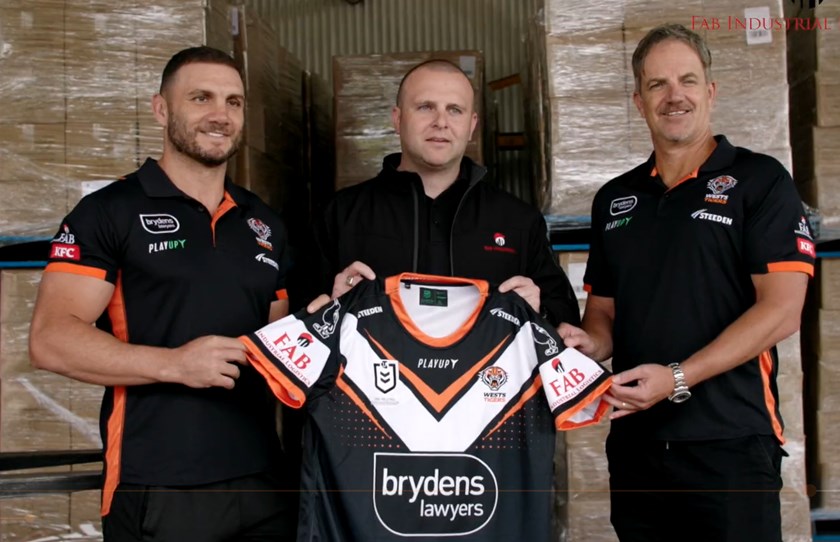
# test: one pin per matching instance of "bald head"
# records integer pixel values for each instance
(438, 65)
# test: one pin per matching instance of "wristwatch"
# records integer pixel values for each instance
(680, 393)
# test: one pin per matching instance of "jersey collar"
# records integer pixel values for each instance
(156, 184)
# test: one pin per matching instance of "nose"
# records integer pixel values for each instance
(675, 92)
(440, 120)
(219, 112)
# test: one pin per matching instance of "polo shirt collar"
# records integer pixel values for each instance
(156, 184)
(722, 157)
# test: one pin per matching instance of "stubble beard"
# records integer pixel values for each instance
(185, 142)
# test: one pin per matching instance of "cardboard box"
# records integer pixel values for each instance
(582, 63)
(101, 150)
(379, 76)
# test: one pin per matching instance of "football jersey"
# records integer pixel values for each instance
(433, 406)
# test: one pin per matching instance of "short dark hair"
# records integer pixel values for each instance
(671, 32)
(192, 55)
(437, 64)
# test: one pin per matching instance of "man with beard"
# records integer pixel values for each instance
(170, 263)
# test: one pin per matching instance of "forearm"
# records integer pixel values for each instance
(756, 331)
(599, 328)
(78, 350)
(596, 340)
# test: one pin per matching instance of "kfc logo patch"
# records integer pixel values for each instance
(806, 247)
(499, 239)
(65, 252)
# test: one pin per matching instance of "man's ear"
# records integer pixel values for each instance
(713, 92)
(160, 109)
(637, 99)
(395, 118)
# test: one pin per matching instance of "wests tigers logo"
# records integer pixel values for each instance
(494, 377)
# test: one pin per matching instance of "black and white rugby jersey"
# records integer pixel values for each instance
(433, 406)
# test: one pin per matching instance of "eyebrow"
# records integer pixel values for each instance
(682, 77)
(197, 91)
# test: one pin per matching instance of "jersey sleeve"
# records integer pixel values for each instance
(299, 352)
(87, 243)
(777, 236)
(573, 384)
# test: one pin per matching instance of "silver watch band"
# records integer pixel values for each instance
(681, 392)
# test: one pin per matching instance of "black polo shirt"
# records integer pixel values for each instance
(179, 273)
(678, 263)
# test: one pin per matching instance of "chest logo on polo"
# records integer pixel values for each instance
(265, 259)
(499, 242)
(263, 232)
(623, 205)
(702, 214)
(620, 223)
(171, 244)
(159, 223)
(717, 187)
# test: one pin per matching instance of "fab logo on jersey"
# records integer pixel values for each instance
(428, 494)
(298, 350)
(566, 376)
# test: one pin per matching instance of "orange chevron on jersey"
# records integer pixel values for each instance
(449, 407)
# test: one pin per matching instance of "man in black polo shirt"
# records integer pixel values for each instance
(698, 266)
(430, 211)
(171, 262)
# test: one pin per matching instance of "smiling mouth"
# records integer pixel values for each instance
(677, 113)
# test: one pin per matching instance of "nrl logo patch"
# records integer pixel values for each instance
(386, 373)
